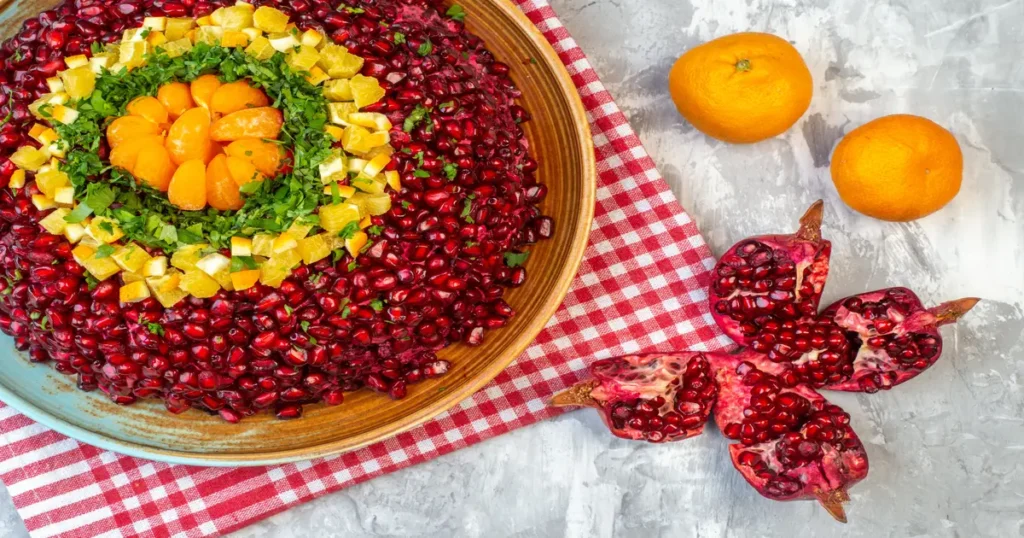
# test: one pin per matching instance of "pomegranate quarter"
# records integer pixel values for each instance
(790, 443)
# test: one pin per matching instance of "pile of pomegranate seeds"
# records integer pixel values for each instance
(435, 276)
(790, 442)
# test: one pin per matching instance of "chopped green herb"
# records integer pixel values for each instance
(349, 230)
(450, 171)
(375, 230)
(155, 328)
(399, 38)
(44, 323)
(447, 104)
(243, 263)
(515, 259)
(346, 312)
(425, 48)
(377, 305)
(456, 13)
(91, 282)
(420, 173)
(288, 309)
(304, 324)
(467, 210)
(34, 315)
(406, 204)
(355, 10)
(416, 116)
(104, 251)
(315, 278)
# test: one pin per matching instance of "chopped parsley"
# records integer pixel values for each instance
(375, 230)
(515, 259)
(421, 173)
(155, 328)
(467, 211)
(243, 263)
(426, 48)
(349, 230)
(346, 312)
(450, 171)
(399, 38)
(104, 251)
(456, 13)
(377, 305)
(304, 324)
(355, 10)
(415, 117)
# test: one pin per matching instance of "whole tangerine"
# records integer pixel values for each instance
(742, 88)
(898, 168)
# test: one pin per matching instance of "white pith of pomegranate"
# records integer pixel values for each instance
(899, 338)
(656, 397)
(771, 279)
(793, 444)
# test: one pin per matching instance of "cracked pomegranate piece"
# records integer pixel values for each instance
(655, 397)
(771, 279)
(793, 443)
(899, 338)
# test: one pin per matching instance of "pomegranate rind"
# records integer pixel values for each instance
(654, 397)
(909, 328)
(842, 463)
(795, 268)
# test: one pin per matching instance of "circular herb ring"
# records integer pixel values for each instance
(144, 213)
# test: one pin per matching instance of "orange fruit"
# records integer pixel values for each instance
(742, 88)
(263, 122)
(203, 89)
(898, 168)
(221, 190)
(265, 156)
(187, 189)
(189, 136)
(149, 108)
(126, 155)
(237, 96)
(176, 98)
(128, 127)
(154, 166)
(243, 171)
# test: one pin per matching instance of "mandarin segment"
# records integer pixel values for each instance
(203, 89)
(129, 127)
(237, 96)
(154, 166)
(187, 189)
(189, 136)
(126, 155)
(176, 98)
(265, 156)
(243, 171)
(221, 190)
(263, 122)
(150, 108)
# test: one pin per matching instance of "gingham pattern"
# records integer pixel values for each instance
(641, 287)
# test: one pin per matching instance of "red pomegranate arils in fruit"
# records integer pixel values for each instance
(656, 397)
(793, 444)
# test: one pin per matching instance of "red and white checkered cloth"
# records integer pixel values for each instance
(641, 287)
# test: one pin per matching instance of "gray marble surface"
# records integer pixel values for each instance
(946, 450)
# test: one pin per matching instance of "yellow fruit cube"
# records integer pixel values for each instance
(156, 266)
(299, 231)
(241, 246)
(277, 268)
(340, 111)
(335, 132)
(303, 59)
(333, 169)
(100, 268)
(311, 38)
(43, 203)
(284, 243)
(185, 258)
(165, 289)
(79, 82)
(178, 28)
(213, 263)
(263, 245)
(376, 165)
(199, 284)
(104, 230)
(178, 47)
(338, 62)
(253, 33)
(211, 35)
(64, 114)
(128, 278)
(156, 39)
(74, 232)
(36, 130)
(370, 120)
(100, 62)
(134, 292)
(269, 19)
(335, 217)
(49, 181)
(53, 99)
(204, 21)
(234, 39)
(344, 191)
(132, 53)
(338, 90)
(285, 42)
(372, 204)
(79, 60)
(155, 24)
(233, 17)
(131, 257)
(65, 196)
(260, 48)
(46, 137)
(366, 90)
(371, 185)
(55, 84)
(317, 76)
(17, 179)
(394, 179)
(315, 248)
(365, 223)
(243, 280)
(29, 158)
(358, 139)
(356, 242)
(54, 223)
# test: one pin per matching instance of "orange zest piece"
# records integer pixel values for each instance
(203, 89)
(243, 171)
(154, 166)
(189, 137)
(176, 98)
(149, 108)
(128, 127)
(237, 96)
(188, 186)
(263, 122)
(126, 155)
(265, 156)
(221, 190)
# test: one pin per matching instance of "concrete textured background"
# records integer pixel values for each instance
(945, 450)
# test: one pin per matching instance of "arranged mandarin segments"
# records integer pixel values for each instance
(235, 96)
(176, 98)
(222, 191)
(263, 122)
(189, 137)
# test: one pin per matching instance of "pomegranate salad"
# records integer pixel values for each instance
(247, 207)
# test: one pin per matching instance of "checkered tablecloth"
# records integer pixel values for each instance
(641, 287)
